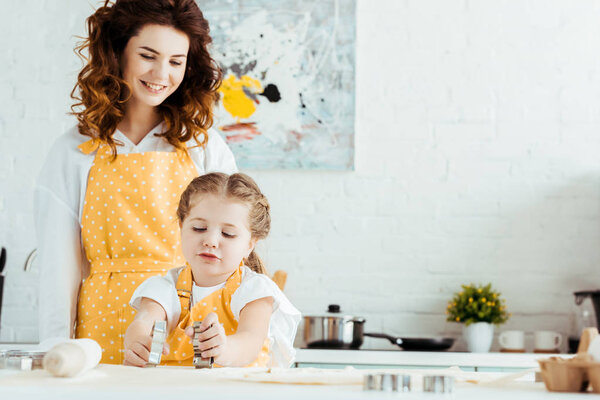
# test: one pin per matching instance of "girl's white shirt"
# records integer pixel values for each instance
(282, 326)
(58, 203)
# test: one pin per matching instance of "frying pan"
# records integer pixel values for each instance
(416, 344)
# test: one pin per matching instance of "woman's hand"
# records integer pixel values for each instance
(212, 338)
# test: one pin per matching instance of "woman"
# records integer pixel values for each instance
(107, 195)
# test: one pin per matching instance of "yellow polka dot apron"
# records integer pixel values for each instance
(219, 302)
(129, 232)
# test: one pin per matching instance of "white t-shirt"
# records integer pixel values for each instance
(58, 203)
(282, 326)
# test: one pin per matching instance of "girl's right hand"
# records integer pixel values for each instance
(137, 343)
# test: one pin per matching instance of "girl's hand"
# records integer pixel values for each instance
(138, 338)
(138, 342)
(212, 338)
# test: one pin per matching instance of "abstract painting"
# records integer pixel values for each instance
(287, 97)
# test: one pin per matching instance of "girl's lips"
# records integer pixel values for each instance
(209, 256)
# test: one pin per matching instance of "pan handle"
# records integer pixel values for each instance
(392, 339)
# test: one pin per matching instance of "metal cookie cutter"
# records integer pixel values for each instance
(387, 382)
(438, 383)
(23, 360)
(159, 334)
(199, 362)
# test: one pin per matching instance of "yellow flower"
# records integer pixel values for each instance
(470, 299)
(479, 290)
(489, 303)
(483, 300)
(457, 319)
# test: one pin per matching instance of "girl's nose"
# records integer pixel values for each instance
(210, 241)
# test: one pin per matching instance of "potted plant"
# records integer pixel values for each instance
(479, 308)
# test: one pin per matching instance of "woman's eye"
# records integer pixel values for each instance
(177, 63)
(147, 57)
(228, 235)
(198, 229)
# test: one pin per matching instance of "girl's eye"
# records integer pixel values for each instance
(198, 229)
(147, 57)
(177, 63)
(228, 235)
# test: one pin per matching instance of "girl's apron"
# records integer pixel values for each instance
(130, 232)
(219, 302)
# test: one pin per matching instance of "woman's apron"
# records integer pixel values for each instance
(130, 232)
(219, 302)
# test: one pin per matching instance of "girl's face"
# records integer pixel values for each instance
(215, 237)
(153, 63)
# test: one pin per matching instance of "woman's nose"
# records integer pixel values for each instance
(161, 71)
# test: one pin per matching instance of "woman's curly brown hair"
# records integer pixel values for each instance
(101, 93)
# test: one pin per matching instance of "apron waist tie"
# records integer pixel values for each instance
(131, 265)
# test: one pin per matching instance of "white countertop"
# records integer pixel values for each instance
(118, 382)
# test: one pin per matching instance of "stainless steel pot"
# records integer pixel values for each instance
(333, 330)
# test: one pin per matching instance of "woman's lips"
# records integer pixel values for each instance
(153, 88)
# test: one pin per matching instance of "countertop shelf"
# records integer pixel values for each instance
(419, 359)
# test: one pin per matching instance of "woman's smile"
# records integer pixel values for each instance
(153, 87)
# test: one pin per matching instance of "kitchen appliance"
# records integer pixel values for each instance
(585, 315)
(334, 330)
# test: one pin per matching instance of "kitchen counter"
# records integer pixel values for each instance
(119, 382)
(498, 362)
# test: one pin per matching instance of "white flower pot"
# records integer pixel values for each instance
(479, 337)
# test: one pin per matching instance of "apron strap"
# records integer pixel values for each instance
(184, 288)
(90, 146)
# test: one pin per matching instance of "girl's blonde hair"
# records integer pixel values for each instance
(238, 187)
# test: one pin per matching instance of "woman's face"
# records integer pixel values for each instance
(153, 63)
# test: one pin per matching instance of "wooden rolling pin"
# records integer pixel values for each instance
(73, 357)
(279, 277)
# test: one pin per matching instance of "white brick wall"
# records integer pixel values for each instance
(477, 159)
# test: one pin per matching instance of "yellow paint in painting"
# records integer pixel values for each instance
(235, 101)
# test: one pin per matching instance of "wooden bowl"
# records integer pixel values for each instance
(563, 375)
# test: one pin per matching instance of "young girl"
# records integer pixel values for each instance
(246, 319)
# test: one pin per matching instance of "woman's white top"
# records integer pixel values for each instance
(282, 326)
(58, 203)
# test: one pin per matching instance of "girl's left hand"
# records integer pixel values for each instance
(212, 337)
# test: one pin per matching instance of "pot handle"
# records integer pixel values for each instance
(358, 320)
(393, 339)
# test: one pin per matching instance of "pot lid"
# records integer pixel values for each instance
(334, 310)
